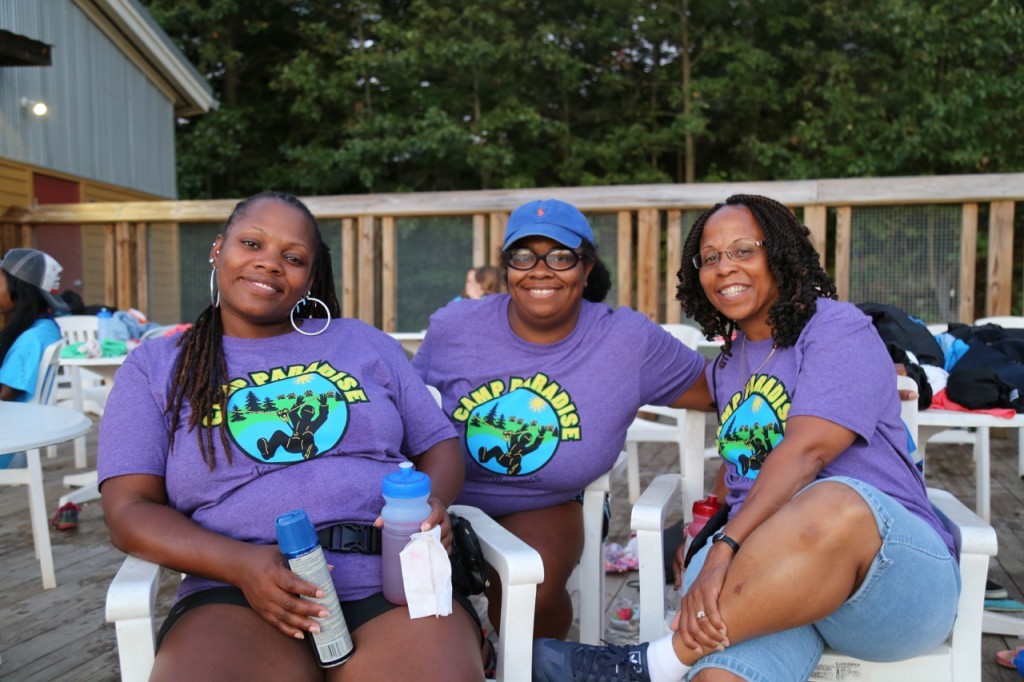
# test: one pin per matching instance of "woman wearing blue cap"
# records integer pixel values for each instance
(542, 384)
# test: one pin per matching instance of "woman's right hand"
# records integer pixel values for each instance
(275, 592)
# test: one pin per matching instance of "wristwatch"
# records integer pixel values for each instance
(722, 537)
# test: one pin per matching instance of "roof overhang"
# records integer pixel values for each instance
(131, 28)
(19, 50)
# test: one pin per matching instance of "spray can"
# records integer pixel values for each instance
(298, 542)
(703, 510)
(406, 508)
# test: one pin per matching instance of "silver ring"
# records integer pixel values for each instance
(701, 614)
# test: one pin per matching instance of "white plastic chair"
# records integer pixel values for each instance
(685, 428)
(957, 659)
(131, 602)
(31, 474)
(77, 329)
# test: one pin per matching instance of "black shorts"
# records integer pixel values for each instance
(356, 612)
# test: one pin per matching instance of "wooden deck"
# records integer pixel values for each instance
(61, 634)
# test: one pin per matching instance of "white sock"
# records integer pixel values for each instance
(662, 662)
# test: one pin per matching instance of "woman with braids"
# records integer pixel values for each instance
(189, 481)
(830, 537)
(542, 384)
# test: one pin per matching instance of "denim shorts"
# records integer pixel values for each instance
(906, 605)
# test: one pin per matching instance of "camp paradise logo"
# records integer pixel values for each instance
(753, 423)
(513, 428)
(289, 414)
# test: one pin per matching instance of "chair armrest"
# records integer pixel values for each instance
(648, 520)
(520, 569)
(971, 533)
(131, 603)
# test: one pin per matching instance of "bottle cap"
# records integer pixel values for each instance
(706, 507)
(104, 313)
(295, 532)
(406, 482)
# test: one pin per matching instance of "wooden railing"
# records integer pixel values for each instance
(650, 231)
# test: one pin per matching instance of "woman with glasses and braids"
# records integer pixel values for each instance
(829, 535)
(270, 403)
(542, 383)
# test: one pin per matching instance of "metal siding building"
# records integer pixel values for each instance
(114, 84)
(110, 118)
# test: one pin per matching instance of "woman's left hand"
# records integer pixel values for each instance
(708, 631)
(439, 516)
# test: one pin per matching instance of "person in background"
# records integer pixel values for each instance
(190, 482)
(830, 537)
(28, 280)
(482, 281)
(542, 384)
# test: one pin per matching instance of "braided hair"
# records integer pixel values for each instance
(792, 260)
(201, 373)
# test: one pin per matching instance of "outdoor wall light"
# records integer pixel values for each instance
(33, 106)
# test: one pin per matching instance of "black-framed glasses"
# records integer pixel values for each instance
(741, 250)
(556, 259)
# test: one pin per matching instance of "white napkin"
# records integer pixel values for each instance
(427, 575)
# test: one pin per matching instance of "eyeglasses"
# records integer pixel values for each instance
(741, 249)
(556, 259)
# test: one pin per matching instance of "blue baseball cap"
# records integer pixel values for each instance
(549, 218)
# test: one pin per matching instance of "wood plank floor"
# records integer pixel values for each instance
(61, 634)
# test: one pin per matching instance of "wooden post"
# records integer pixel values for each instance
(497, 236)
(367, 272)
(109, 263)
(968, 260)
(388, 274)
(348, 267)
(123, 257)
(844, 227)
(625, 258)
(479, 239)
(1000, 258)
(648, 262)
(673, 258)
(142, 268)
(816, 218)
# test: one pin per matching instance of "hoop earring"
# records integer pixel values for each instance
(214, 292)
(302, 302)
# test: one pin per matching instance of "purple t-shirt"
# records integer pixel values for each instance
(838, 370)
(314, 422)
(539, 422)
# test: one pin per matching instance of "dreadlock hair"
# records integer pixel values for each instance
(792, 261)
(599, 282)
(201, 372)
(29, 306)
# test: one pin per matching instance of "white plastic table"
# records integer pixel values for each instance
(86, 481)
(106, 368)
(931, 422)
(29, 427)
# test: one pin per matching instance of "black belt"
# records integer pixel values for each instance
(350, 537)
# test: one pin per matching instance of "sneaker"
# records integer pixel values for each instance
(994, 590)
(66, 517)
(556, 661)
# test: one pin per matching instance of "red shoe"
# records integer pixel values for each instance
(1005, 658)
(66, 517)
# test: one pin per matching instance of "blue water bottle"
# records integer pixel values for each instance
(301, 549)
(104, 318)
(405, 494)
